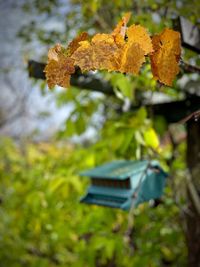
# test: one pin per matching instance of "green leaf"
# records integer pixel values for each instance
(122, 82)
(141, 114)
(70, 127)
(128, 136)
(151, 138)
(80, 125)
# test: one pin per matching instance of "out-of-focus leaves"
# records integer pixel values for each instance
(123, 83)
(42, 222)
(151, 138)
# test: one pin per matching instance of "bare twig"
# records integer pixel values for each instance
(18, 106)
(195, 115)
(189, 68)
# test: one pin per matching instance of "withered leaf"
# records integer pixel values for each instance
(138, 44)
(59, 67)
(138, 34)
(74, 44)
(132, 59)
(123, 50)
(101, 53)
(122, 24)
(166, 55)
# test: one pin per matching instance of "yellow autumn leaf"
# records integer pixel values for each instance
(60, 65)
(75, 43)
(101, 53)
(132, 58)
(123, 50)
(166, 55)
(138, 34)
(121, 26)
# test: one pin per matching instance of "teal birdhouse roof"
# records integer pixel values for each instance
(120, 169)
(123, 183)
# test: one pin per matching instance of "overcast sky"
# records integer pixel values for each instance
(15, 83)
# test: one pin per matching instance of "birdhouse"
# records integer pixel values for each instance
(121, 184)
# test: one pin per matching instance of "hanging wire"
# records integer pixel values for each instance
(130, 223)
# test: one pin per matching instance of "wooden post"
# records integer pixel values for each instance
(193, 214)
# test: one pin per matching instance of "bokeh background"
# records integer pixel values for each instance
(48, 137)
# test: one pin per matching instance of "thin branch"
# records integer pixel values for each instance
(11, 118)
(17, 108)
(193, 193)
(189, 68)
(195, 116)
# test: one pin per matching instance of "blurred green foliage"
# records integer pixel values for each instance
(43, 224)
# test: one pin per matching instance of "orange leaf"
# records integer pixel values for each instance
(121, 26)
(74, 44)
(166, 55)
(114, 52)
(59, 67)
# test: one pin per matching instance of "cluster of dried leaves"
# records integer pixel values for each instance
(124, 50)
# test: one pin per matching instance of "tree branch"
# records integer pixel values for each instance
(189, 68)
(89, 81)
(179, 109)
(83, 81)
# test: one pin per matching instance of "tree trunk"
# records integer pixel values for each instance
(193, 214)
